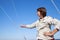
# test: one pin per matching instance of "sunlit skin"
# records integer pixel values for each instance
(45, 33)
(39, 14)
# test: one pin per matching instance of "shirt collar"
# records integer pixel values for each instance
(43, 18)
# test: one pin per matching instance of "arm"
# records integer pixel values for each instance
(56, 23)
(51, 33)
(33, 25)
(54, 31)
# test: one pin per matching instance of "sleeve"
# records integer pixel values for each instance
(54, 22)
(33, 25)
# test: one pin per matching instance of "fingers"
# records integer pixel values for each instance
(47, 33)
(23, 26)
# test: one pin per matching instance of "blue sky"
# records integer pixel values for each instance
(13, 13)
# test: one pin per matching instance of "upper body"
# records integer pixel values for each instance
(43, 25)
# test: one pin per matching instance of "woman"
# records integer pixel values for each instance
(43, 25)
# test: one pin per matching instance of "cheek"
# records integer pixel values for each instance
(38, 14)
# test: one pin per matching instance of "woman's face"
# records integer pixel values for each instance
(39, 14)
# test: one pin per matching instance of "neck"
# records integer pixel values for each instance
(41, 17)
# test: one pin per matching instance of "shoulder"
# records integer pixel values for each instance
(36, 21)
(48, 17)
(52, 19)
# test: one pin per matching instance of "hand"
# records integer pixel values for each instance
(23, 26)
(51, 33)
(48, 34)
